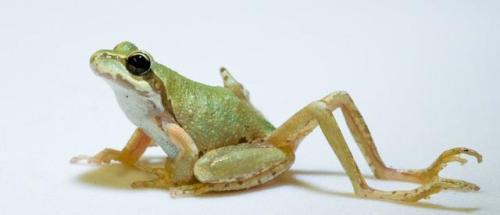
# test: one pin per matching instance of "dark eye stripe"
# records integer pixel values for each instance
(138, 64)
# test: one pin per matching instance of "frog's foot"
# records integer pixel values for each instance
(134, 149)
(162, 179)
(190, 190)
(451, 155)
(157, 171)
(159, 182)
(175, 189)
(423, 192)
(103, 157)
(164, 182)
(424, 176)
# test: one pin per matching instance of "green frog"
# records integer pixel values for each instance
(216, 140)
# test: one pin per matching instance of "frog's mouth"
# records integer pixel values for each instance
(110, 66)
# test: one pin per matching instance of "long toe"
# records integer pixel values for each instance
(460, 185)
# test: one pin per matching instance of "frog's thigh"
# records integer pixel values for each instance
(239, 163)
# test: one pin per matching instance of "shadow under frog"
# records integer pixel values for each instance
(118, 176)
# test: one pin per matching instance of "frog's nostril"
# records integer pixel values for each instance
(96, 56)
(94, 59)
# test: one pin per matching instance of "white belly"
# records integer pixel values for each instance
(141, 110)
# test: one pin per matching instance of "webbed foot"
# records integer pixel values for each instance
(162, 179)
(189, 190)
(448, 156)
(155, 183)
(431, 174)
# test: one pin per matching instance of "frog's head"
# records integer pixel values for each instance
(125, 66)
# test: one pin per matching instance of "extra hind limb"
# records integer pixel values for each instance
(233, 85)
(320, 113)
(236, 87)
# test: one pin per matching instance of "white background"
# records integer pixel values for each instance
(424, 74)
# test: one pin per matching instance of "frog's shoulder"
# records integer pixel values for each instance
(180, 86)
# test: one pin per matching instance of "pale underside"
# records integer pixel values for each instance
(139, 109)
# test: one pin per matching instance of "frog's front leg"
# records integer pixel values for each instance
(134, 149)
(179, 169)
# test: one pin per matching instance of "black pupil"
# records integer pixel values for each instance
(138, 64)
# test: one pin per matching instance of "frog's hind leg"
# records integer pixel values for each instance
(320, 113)
(134, 149)
(363, 138)
(237, 167)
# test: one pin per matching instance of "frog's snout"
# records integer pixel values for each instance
(94, 59)
(101, 57)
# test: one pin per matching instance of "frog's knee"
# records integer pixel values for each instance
(237, 163)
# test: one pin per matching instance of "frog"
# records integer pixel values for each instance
(216, 140)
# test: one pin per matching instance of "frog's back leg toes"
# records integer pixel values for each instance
(431, 173)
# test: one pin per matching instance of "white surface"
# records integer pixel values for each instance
(424, 74)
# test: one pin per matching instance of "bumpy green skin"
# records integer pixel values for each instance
(212, 116)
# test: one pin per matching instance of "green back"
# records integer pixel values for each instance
(212, 116)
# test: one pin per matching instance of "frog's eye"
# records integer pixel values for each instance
(138, 64)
